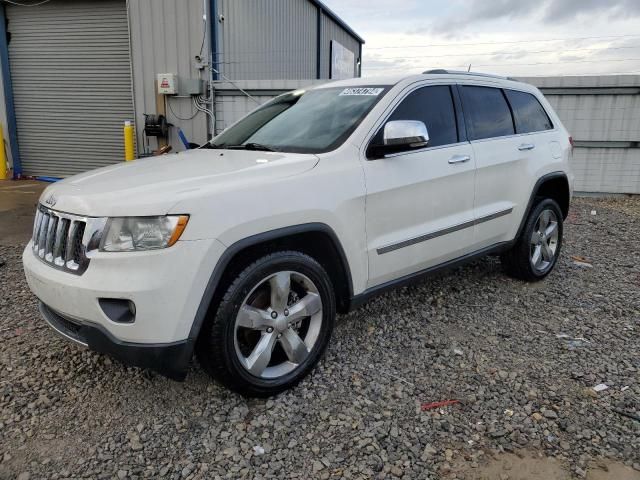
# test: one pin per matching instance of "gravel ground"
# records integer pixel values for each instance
(473, 335)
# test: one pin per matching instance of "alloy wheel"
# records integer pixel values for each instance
(278, 324)
(544, 241)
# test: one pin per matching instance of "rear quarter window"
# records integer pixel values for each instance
(528, 114)
(487, 112)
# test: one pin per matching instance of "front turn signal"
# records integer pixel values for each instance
(177, 232)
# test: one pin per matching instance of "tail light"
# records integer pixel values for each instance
(571, 142)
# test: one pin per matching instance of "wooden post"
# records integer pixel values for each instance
(161, 109)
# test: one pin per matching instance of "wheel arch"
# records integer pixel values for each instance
(553, 185)
(315, 239)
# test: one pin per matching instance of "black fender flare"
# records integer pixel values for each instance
(231, 251)
(534, 193)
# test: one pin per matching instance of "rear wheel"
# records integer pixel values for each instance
(537, 249)
(271, 327)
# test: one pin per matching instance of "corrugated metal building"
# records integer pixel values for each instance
(74, 70)
(603, 115)
(71, 84)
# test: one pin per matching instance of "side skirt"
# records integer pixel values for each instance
(360, 299)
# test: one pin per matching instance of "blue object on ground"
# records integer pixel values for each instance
(183, 138)
(48, 179)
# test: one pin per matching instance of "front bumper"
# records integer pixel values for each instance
(165, 285)
(171, 360)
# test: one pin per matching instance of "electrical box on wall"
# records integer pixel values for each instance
(172, 84)
(167, 84)
(190, 86)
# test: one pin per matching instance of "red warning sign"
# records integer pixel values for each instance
(166, 83)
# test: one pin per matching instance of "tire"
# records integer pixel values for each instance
(522, 261)
(254, 317)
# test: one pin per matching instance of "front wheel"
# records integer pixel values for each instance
(537, 249)
(271, 327)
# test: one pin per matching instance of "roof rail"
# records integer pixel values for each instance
(442, 71)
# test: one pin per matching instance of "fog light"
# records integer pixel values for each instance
(118, 310)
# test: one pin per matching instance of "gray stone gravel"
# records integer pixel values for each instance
(472, 334)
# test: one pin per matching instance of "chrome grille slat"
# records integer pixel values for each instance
(73, 230)
(57, 246)
(64, 241)
(50, 239)
(78, 245)
(36, 225)
(59, 239)
(42, 235)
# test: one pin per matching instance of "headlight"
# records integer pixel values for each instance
(128, 234)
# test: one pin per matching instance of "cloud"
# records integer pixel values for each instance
(509, 37)
(484, 10)
(546, 11)
(563, 10)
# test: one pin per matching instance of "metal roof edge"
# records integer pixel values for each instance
(331, 14)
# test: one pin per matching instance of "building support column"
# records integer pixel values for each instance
(8, 94)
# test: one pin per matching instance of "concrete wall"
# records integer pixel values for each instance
(166, 35)
(602, 113)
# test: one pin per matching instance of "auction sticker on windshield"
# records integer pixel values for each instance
(362, 91)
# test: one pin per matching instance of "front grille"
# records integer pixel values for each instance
(58, 240)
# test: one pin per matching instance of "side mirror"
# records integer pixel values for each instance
(408, 133)
(400, 136)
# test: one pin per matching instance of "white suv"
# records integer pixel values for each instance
(243, 250)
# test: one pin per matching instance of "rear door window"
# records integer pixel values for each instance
(487, 112)
(528, 114)
(432, 105)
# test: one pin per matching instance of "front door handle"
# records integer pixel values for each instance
(526, 146)
(459, 159)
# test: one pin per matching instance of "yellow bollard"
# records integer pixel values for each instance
(3, 155)
(129, 150)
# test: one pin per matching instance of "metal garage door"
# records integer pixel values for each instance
(71, 78)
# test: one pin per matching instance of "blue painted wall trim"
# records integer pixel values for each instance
(213, 31)
(8, 94)
(319, 43)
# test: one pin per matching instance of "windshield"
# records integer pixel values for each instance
(314, 121)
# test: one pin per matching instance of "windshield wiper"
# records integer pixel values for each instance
(212, 145)
(251, 146)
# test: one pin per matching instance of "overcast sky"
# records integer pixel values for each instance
(510, 37)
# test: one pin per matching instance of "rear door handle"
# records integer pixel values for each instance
(526, 146)
(459, 159)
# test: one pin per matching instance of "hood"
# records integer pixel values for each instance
(151, 186)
